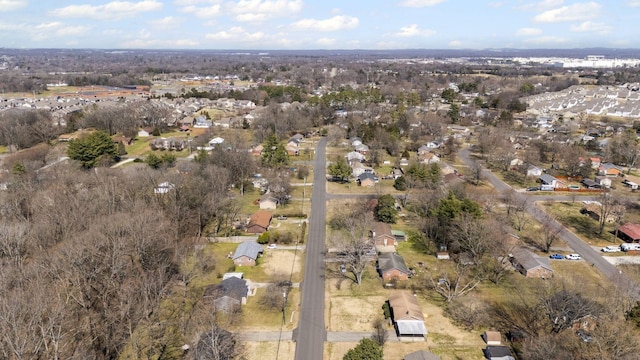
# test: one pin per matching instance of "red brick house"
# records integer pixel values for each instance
(391, 266)
(259, 222)
(382, 235)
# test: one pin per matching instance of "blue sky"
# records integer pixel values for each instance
(319, 24)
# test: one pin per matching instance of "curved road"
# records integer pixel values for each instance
(587, 252)
(311, 332)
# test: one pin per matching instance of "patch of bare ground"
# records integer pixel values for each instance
(268, 350)
(277, 262)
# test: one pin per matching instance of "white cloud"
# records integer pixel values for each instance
(496, 4)
(541, 5)
(589, 26)
(167, 22)
(236, 33)
(326, 42)
(335, 23)
(203, 11)
(420, 3)
(259, 10)
(114, 10)
(48, 30)
(574, 12)
(546, 40)
(10, 5)
(634, 3)
(455, 44)
(528, 32)
(413, 30)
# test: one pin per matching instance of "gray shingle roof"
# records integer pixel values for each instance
(250, 249)
(390, 261)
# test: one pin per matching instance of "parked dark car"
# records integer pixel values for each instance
(535, 188)
(557, 256)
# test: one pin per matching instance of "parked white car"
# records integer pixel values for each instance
(573, 257)
(611, 248)
(272, 246)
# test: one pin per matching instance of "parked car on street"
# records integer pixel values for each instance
(272, 246)
(611, 248)
(535, 188)
(557, 256)
(573, 257)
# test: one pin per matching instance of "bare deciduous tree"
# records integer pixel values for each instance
(456, 283)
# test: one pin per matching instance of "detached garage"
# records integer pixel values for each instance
(407, 316)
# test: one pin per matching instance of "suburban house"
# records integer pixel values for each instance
(163, 188)
(382, 235)
(268, 202)
(428, 158)
(406, 314)
(146, 132)
(362, 149)
(421, 355)
(603, 181)
(533, 170)
(355, 156)
(168, 144)
(594, 209)
(367, 179)
(216, 141)
(530, 265)
(595, 162)
(629, 232)
(546, 179)
(355, 141)
(516, 162)
(298, 137)
(229, 295)
(498, 353)
(358, 168)
(609, 169)
(590, 184)
(259, 222)
(492, 337)
(247, 253)
(391, 266)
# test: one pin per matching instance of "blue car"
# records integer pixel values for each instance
(556, 256)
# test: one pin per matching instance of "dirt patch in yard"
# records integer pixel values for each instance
(267, 350)
(354, 313)
(282, 261)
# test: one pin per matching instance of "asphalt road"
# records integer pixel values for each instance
(580, 247)
(311, 332)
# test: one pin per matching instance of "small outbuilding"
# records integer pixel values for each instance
(492, 337)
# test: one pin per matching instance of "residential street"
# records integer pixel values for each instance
(588, 254)
(311, 333)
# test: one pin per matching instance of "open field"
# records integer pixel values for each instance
(268, 350)
(582, 225)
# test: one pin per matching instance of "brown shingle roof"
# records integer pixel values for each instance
(261, 218)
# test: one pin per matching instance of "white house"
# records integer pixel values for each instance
(534, 171)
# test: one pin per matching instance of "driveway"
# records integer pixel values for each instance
(311, 332)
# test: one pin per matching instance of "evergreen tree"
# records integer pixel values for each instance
(92, 149)
(367, 349)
